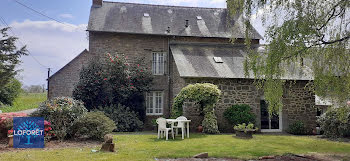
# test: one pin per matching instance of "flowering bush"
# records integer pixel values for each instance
(114, 81)
(206, 95)
(48, 132)
(6, 122)
(10, 132)
(61, 112)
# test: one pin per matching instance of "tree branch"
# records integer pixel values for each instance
(335, 41)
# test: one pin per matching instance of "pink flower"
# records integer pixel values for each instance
(131, 84)
(46, 123)
(105, 79)
(138, 65)
(10, 132)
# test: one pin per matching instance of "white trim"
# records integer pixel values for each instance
(158, 63)
(280, 123)
(153, 96)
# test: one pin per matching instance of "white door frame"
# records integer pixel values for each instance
(279, 123)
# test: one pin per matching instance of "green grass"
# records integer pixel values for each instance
(147, 147)
(25, 102)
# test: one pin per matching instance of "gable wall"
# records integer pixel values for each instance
(62, 83)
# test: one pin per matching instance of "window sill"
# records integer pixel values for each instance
(154, 114)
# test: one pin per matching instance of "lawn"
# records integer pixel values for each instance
(25, 101)
(147, 147)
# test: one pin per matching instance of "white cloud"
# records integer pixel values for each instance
(53, 44)
(66, 15)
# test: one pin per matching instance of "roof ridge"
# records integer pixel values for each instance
(162, 5)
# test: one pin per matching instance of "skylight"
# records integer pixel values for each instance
(218, 60)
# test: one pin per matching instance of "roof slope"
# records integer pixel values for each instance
(83, 53)
(155, 19)
(197, 60)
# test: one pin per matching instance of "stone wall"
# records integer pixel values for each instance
(299, 105)
(63, 81)
(298, 102)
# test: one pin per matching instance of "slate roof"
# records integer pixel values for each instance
(155, 19)
(197, 60)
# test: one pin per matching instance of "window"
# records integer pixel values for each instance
(158, 63)
(154, 103)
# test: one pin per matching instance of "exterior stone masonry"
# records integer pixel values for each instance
(62, 82)
(298, 102)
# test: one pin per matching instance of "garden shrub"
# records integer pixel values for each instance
(206, 95)
(125, 119)
(239, 114)
(335, 122)
(6, 122)
(297, 128)
(113, 81)
(61, 112)
(48, 132)
(93, 125)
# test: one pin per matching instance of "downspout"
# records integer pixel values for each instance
(169, 78)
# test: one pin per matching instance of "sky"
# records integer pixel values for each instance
(54, 41)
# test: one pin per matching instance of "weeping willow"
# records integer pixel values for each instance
(305, 34)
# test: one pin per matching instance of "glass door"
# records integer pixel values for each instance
(269, 123)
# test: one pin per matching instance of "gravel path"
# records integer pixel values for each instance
(27, 111)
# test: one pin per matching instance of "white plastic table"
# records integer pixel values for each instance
(187, 122)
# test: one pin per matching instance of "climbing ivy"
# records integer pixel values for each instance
(203, 94)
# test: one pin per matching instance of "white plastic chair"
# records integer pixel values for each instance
(180, 125)
(162, 128)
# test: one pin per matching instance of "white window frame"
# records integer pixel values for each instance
(158, 63)
(154, 103)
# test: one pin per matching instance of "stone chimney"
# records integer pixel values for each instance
(97, 3)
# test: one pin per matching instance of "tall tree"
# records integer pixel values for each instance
(9, 56)
(306, 34)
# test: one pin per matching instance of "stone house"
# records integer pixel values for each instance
(184, 45)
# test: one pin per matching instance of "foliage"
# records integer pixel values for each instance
(312, 35)
(6, 122)
(238, 114)
(114, 81)
(335, 122)
(204, 94)
(25, 101)
(297, 128)
(61, 112)
(93, 125)
(9, 57)
(245, 127)
(10, 92)
(48, 132)
(125, 119)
